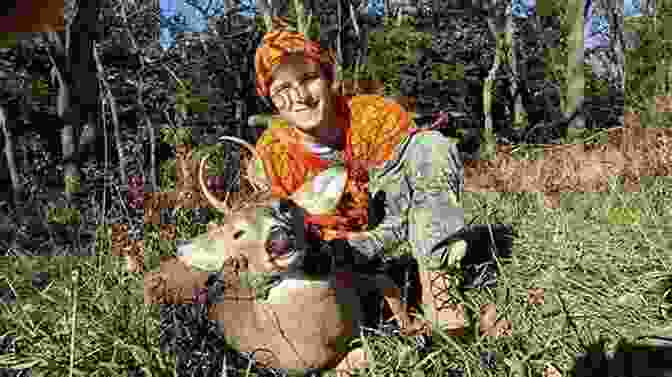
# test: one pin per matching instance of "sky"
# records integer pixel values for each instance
(197, 23)
(631, 7)
(192, 16)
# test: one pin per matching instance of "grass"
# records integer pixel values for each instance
(601, 281)
(606, 277)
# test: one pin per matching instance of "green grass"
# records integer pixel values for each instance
(601, 281)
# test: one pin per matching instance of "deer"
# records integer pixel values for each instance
(312, 312)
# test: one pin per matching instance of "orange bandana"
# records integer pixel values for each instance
(279, 43)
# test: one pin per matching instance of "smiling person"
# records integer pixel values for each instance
(420, 174)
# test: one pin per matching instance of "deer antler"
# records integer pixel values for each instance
(222, 204)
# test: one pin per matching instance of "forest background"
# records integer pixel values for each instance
(90, 121)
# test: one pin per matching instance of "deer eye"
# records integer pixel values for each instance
(238, 234)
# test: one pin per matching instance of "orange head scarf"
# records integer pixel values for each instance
(280, 43)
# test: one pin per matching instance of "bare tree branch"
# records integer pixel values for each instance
(111, 101)
(143, 111)
(339, 40)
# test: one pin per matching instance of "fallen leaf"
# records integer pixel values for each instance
(135, 256)
(489, 325)
(120, 239)
(664, 104)
(132, 264)
(488, 317)
(552, 200)
(535, 296)
(503, 327)
(632, 120)
(551, 371)
(452, 316)
(168, 231)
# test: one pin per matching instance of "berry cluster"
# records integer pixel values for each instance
(136, 189)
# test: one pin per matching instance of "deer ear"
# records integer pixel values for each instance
(321, 195)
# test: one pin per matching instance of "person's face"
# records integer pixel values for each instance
(301, 95)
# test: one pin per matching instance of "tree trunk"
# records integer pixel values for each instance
(77, 99)
(487, 134)
(517, 108)
(361, 53)
(339, 42)
(497, 23)
(9, 149)
(617, 44)
(239, 116)
(264, 7)
(575, 58)
(69, 114)
(647, 7)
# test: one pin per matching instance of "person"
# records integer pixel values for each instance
(419, 174)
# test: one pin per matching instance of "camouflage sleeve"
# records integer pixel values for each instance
(419, 192)
(391, 199)
(380, 130)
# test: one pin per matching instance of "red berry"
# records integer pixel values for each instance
(135, 181)
(212, 183)
(135, 200)
(221, 182)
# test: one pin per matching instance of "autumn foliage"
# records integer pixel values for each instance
(631, 152)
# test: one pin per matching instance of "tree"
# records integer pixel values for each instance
(614, 10)
(647, 7)
(501, 26)
(8, 155)
(575, 57)
(390, 49)
(71, 53)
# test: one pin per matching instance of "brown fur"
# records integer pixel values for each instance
(309, 330)
(303, 332)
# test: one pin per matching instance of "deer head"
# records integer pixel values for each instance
(269, 233)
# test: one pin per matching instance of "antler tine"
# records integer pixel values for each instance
(219, 204)
(258, 186)
(222, 204)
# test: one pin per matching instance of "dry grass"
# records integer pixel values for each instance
(631, 152)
